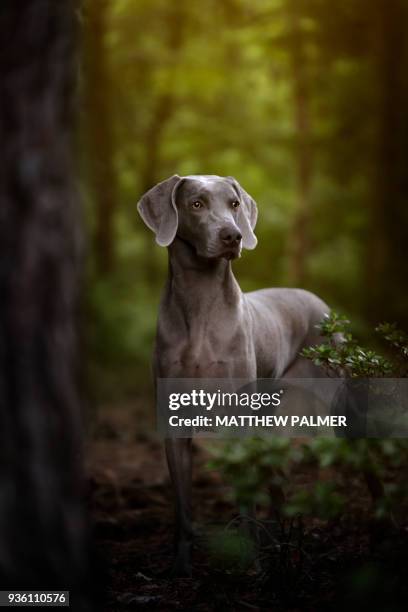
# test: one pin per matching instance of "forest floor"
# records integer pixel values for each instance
(352, 562)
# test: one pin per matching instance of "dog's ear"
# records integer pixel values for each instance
(247, 215)
(158, 210)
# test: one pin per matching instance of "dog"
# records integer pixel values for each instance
(207, 327)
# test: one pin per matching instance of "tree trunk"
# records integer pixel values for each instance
(41, 516)
(299, 235)
(386, 256)
(100, 140)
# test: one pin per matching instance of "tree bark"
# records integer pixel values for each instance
(41, 515)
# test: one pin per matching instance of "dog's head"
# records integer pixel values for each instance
(212, 213)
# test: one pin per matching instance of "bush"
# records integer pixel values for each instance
(259, 470)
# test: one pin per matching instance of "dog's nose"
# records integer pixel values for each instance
(230, 236)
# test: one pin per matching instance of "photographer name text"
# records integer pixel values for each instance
(268, 420)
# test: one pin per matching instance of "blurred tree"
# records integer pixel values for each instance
(174, 31)
(163, 107)
(367, 48)
(387, 270)
(41, 514)
(100, 138)
(299, 241)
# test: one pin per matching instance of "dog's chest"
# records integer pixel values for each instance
(205, 355)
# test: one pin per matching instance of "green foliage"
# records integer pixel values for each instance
(394, 336)
(231, 550)
(398, 341)
(334, 323)
(321, 501)
(341, 355)
(119, 335)
(254, 467)
(252, 464)
(258, 468)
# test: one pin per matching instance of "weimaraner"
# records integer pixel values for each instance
(207, 327)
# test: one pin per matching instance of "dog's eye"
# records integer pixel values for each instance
(197, 205)
(235, 204)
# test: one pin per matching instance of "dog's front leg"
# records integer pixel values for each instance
(179, 459)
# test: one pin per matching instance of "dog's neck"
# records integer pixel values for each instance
(199, 287)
